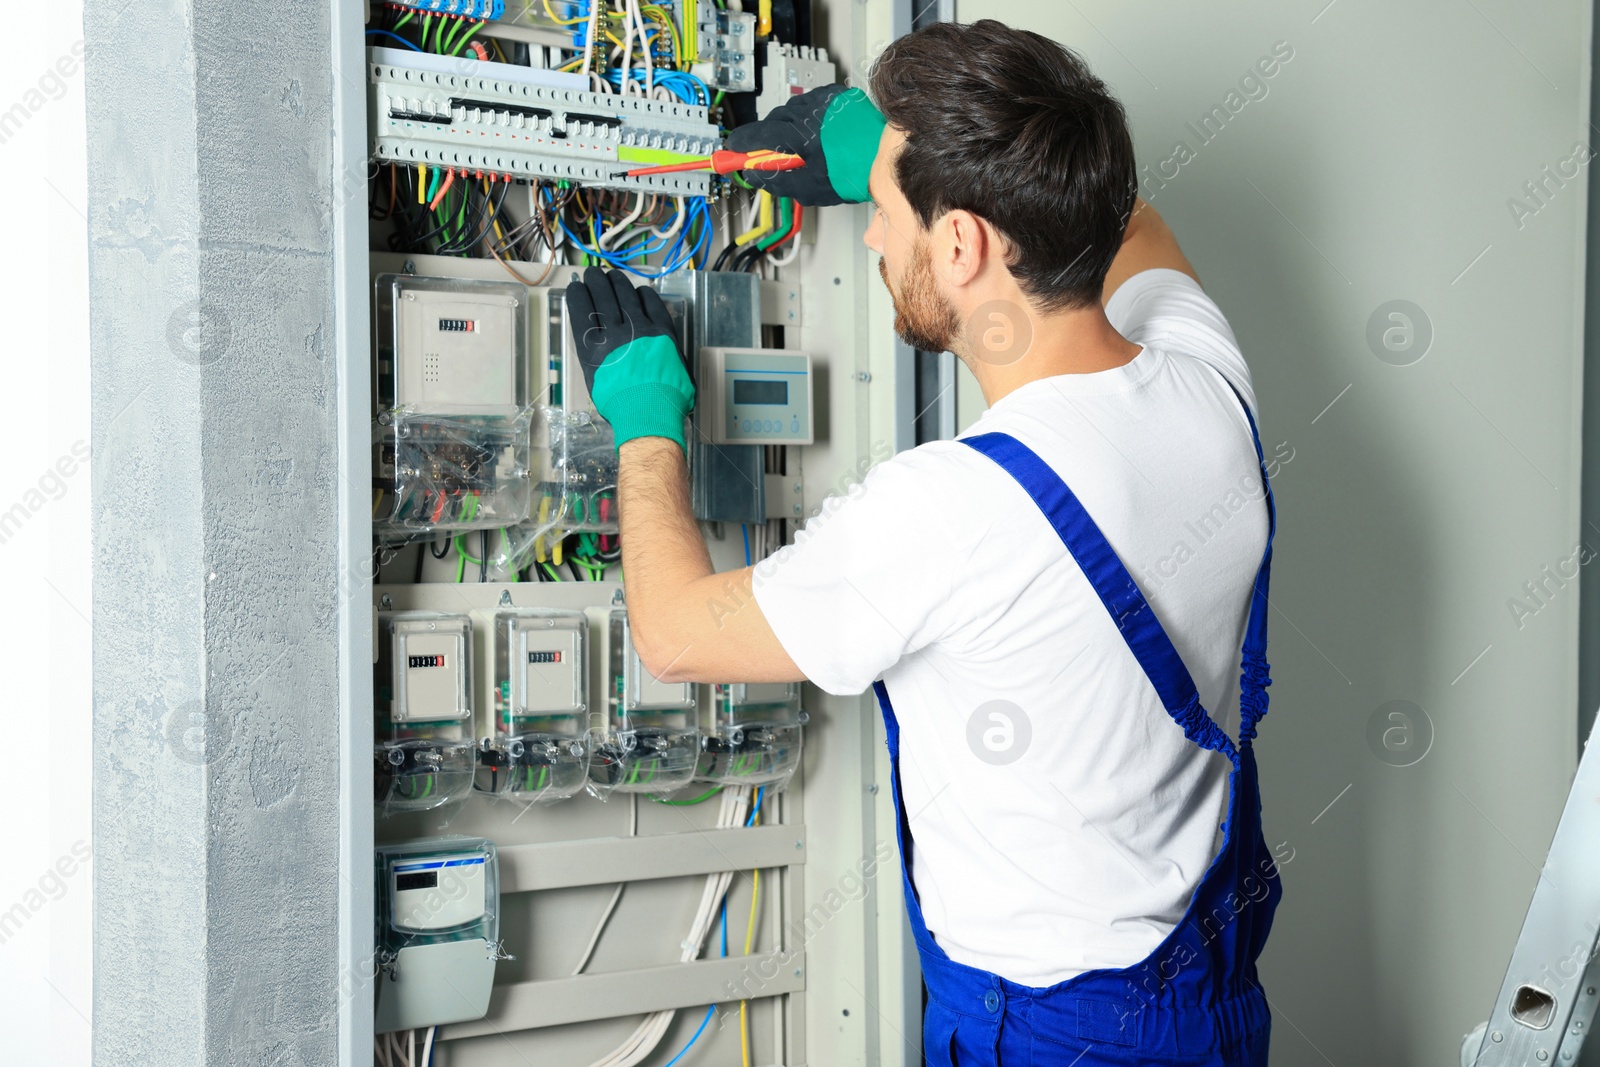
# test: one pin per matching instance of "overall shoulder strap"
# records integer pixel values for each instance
(1254, 676)
(1132, 614)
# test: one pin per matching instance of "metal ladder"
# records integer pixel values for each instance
(1547, 1001)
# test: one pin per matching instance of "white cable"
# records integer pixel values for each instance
(411, 1048)
(588, 38)
(605, 916)
(622, 224)
(380, 1051)
(677, 223)
(627, 49)
(735, 803)
(789, 256)
(644, 46)
(427, 1048)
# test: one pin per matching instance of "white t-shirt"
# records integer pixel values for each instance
(1070, 832)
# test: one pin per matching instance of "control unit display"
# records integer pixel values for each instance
(756, 396)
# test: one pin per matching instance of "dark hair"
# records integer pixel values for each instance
(1014, 128)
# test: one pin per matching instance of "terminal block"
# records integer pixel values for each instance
(649, 740)
(483, 119)
(423, 751)
(535, 747)
(750, 734)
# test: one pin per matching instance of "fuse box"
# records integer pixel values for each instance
(649, 739)
(438, 932)
(535, 745)
(423, 682)
(453, 427)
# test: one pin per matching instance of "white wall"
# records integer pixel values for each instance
(1378, 167)
(44, 563)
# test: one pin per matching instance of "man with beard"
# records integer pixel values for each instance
(1084, 867)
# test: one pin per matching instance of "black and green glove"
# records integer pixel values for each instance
(629, 351)
(834, 129)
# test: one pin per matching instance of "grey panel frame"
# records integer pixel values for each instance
(596, 861)
(586, 997)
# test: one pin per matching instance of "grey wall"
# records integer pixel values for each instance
(1378, 167)
(217, 497)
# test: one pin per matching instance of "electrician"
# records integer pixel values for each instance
(1081, 841)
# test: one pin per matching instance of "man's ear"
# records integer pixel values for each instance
(966, 243)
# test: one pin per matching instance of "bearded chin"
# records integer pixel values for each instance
(923, 318)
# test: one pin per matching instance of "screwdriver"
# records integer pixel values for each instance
(724, 161)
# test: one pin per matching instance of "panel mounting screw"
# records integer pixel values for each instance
(863, 376)
(385, 602)
(799, 844)
(873, 788)
(505, 598)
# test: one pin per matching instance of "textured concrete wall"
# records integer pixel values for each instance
(216, 488)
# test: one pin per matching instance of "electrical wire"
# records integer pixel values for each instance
(605, 916)
(702, 1028)
(396, 36)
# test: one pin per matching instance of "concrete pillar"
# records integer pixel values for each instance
(231, 813)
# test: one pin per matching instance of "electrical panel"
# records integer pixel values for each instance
(423, 683)
(756, 396)
(649, 738)
(535, 745)
(500, 139)
(438, 931)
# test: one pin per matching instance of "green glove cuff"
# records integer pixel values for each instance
(643, 390)
(851, 128)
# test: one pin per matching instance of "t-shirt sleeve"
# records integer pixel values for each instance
(868, 579)
(1167, 309)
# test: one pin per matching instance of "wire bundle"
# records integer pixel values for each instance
(735, 811)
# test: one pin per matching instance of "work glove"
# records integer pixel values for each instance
(834, 129)
(628, 348)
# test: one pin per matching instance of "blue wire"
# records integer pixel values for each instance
(755, 809)
(746, 530)
(674, 258)
(724, 924)
(693, 1039)
(396, 36)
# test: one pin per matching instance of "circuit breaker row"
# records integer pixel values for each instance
(537, 704)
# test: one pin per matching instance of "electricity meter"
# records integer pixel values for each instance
(438, 932)
(536, 744)
(453, 432)
(750, 734)
(649, 740)
(423, 720)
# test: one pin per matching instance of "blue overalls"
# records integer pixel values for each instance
(1195, 1001)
